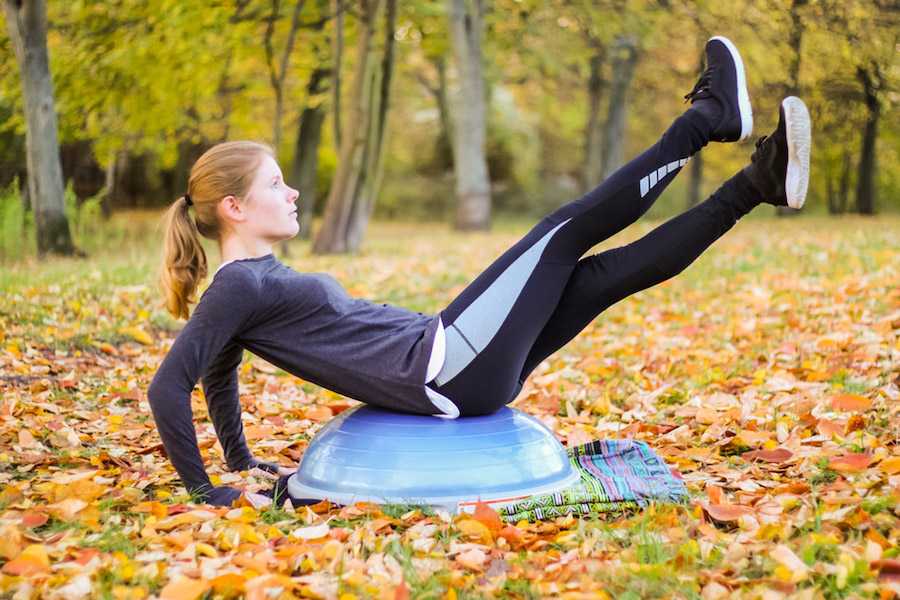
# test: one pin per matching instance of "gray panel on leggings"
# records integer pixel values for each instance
(457, 354)
(481, 320)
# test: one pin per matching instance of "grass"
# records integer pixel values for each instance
(73, 306)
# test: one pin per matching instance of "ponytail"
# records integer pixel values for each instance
(226, 169)
(184, 260)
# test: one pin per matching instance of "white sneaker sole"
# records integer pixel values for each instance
(743, 95)
(799, 142)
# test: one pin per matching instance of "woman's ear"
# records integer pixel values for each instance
(231, 210)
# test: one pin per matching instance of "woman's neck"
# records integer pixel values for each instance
(235, 248)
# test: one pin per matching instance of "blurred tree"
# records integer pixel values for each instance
(358, 177)
(473, 186)
(278, 74)
(305, 163)
(624, 53)
(27, 23)
(338, 45)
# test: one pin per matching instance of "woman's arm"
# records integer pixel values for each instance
(223, 311)
(220, 387)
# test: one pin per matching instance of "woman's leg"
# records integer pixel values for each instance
(493, 324)
(601, 280)
(778, 174)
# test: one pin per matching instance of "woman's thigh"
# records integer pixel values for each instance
(493, 323)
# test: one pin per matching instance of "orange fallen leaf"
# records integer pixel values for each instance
(184, 589)
(33, 518)
(726, 512)
(850, 402)
(888, 569)
(850, 463)
(829, 428)
(401, 592)
(318, 413)
(715, 494)
(891, 465)
(513, 535)
(33, 559)
(488, 516)
(337, 409)
(778, 455)
(855, 423)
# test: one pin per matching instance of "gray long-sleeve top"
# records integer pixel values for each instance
(304, 323)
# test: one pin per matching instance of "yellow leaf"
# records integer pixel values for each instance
(33, 559)
(194, 516)
(796, 568)
(10, 541)
(891, 465)
(137, 334)
(228, 584)
(66, 510)
(475, 530)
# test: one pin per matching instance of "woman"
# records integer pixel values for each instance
(472, 357)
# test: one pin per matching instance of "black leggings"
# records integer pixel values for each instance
(538, 295)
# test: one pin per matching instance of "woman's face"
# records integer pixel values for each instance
(270, 209)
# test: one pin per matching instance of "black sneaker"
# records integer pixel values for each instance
(779, 167)
(721, 92)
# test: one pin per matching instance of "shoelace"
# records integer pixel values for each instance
(759, 142)
(701, 87)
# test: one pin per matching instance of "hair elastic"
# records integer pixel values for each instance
(187, 198)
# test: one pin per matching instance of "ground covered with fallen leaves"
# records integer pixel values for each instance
(767, 374)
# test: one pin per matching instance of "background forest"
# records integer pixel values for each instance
(572, 88)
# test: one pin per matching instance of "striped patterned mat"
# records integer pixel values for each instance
(615, 475)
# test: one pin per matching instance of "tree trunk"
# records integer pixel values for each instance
(795, 41)
(352, 160)
(277, 76)
(865, 185)
(473, 188)
(306, 148)
(837, 198)
(374, 170)
(592, 169)
(306, 155)
(625, 56)
(27, 23)
(110, 190)
(338, 58)
(444, 145)
(845, 183)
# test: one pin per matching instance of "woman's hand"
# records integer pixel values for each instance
(272, 469)
(225, 496)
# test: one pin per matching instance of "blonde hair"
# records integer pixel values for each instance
(226, 169)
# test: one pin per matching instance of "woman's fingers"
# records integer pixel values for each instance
(286, 471)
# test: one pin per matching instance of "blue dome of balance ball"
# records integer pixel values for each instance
(367, 454)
